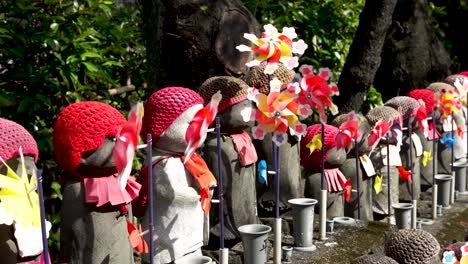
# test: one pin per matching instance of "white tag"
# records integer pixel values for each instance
(417, 144)
(447, 124)
(367, 165)
(395, 159)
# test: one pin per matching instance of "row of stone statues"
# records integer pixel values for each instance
(95, 204)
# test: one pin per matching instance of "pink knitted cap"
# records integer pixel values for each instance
(313, 162)
(464, 73)
(163, 107)
(13, 136)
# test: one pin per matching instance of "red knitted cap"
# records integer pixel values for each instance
(13, 136)
(163, 107)
(426, 95)
(83, 127)
(464, 73)
(313, 162)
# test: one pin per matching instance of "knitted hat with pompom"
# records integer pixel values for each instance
(163, 107)
(82, 128)
(12, 137)
(313, 161)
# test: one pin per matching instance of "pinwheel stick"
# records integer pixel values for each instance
(149, 160)
(358, 179)
(224, 253)
(45, 247)
(452, 157)
(389, 194)
(277, 246)
(323, 192)
(434, 162)
(414, 212)
(466, 119)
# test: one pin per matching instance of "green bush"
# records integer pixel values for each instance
(57, 52)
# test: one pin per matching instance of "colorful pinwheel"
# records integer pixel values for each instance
(126, 144)
(449, 258)
(377, 184)
(196, 132)
(276, 112)
(347, 190)
(275, 47)
(316, 92)
(349, 132)
(446, 103)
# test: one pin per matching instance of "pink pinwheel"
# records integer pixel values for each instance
(421, 116)
(349, 131)
(446, 103)
(316, 92)
(198, 128)
(126, 144)
(379, 130)
(274, 47)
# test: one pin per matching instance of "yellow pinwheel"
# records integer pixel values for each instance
(315, 143)
(427, 156)
(378, 184)
(20, 201)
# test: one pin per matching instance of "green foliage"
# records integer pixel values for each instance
(327, 26)
(57, 52)
(371, 100)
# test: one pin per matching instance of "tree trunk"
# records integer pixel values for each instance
(194, 40)
(413, 56)
(364, 54)
(457, 24)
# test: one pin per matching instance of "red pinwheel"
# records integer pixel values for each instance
(421, 116)
(136, 238)
(347, 190)
(126, 144)
(349, 131)
(316, 92)
(198, 128)
(379, 130)
(404, 174)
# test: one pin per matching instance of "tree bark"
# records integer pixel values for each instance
(364, 54)
(190, 41)
(412, 56)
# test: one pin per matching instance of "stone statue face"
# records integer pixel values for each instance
(173, 138)
(231, 118)
(336, 157)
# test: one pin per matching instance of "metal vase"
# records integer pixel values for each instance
(403, 215)
(303, 223)
(194, 260)
(460, 176)
(254, 238)
(443, 195)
